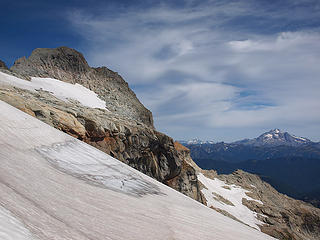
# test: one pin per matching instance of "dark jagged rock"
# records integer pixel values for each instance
(70, 66)
(186, 182)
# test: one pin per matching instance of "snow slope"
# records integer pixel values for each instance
(59, 89)
(232, 193)
(11, 228)
(56, 187)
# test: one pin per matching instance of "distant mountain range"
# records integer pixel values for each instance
(274, 137)
(282, 159)
(272, 144)
(195, 141)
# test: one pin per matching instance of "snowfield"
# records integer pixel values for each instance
(59, 89)
(11, 228)
(56, 187)
(233, 194)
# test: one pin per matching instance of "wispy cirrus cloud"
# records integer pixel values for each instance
(246, 66)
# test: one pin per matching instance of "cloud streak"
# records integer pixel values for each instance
(212, 66)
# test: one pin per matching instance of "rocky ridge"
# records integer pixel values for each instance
(283, 217)
(130, 139)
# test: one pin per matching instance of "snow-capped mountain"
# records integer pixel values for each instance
(195, 141)
(275, 137)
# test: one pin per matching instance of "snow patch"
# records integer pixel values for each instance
(300, 138)
(233, 194)
(268, 135)
(59, 89)
(87, 163)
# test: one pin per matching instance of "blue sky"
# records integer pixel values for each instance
(212, 69)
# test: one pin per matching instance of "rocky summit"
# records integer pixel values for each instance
(70, 66)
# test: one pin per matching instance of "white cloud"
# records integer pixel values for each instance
(194, 70)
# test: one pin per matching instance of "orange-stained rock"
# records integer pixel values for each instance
(67, 123)
(180, 147)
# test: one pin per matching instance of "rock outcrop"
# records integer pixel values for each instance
(70, 66)
(186, 182)
(284, 217)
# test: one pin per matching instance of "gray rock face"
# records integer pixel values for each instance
(68, 65)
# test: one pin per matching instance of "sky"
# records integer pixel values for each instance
(211, 69)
